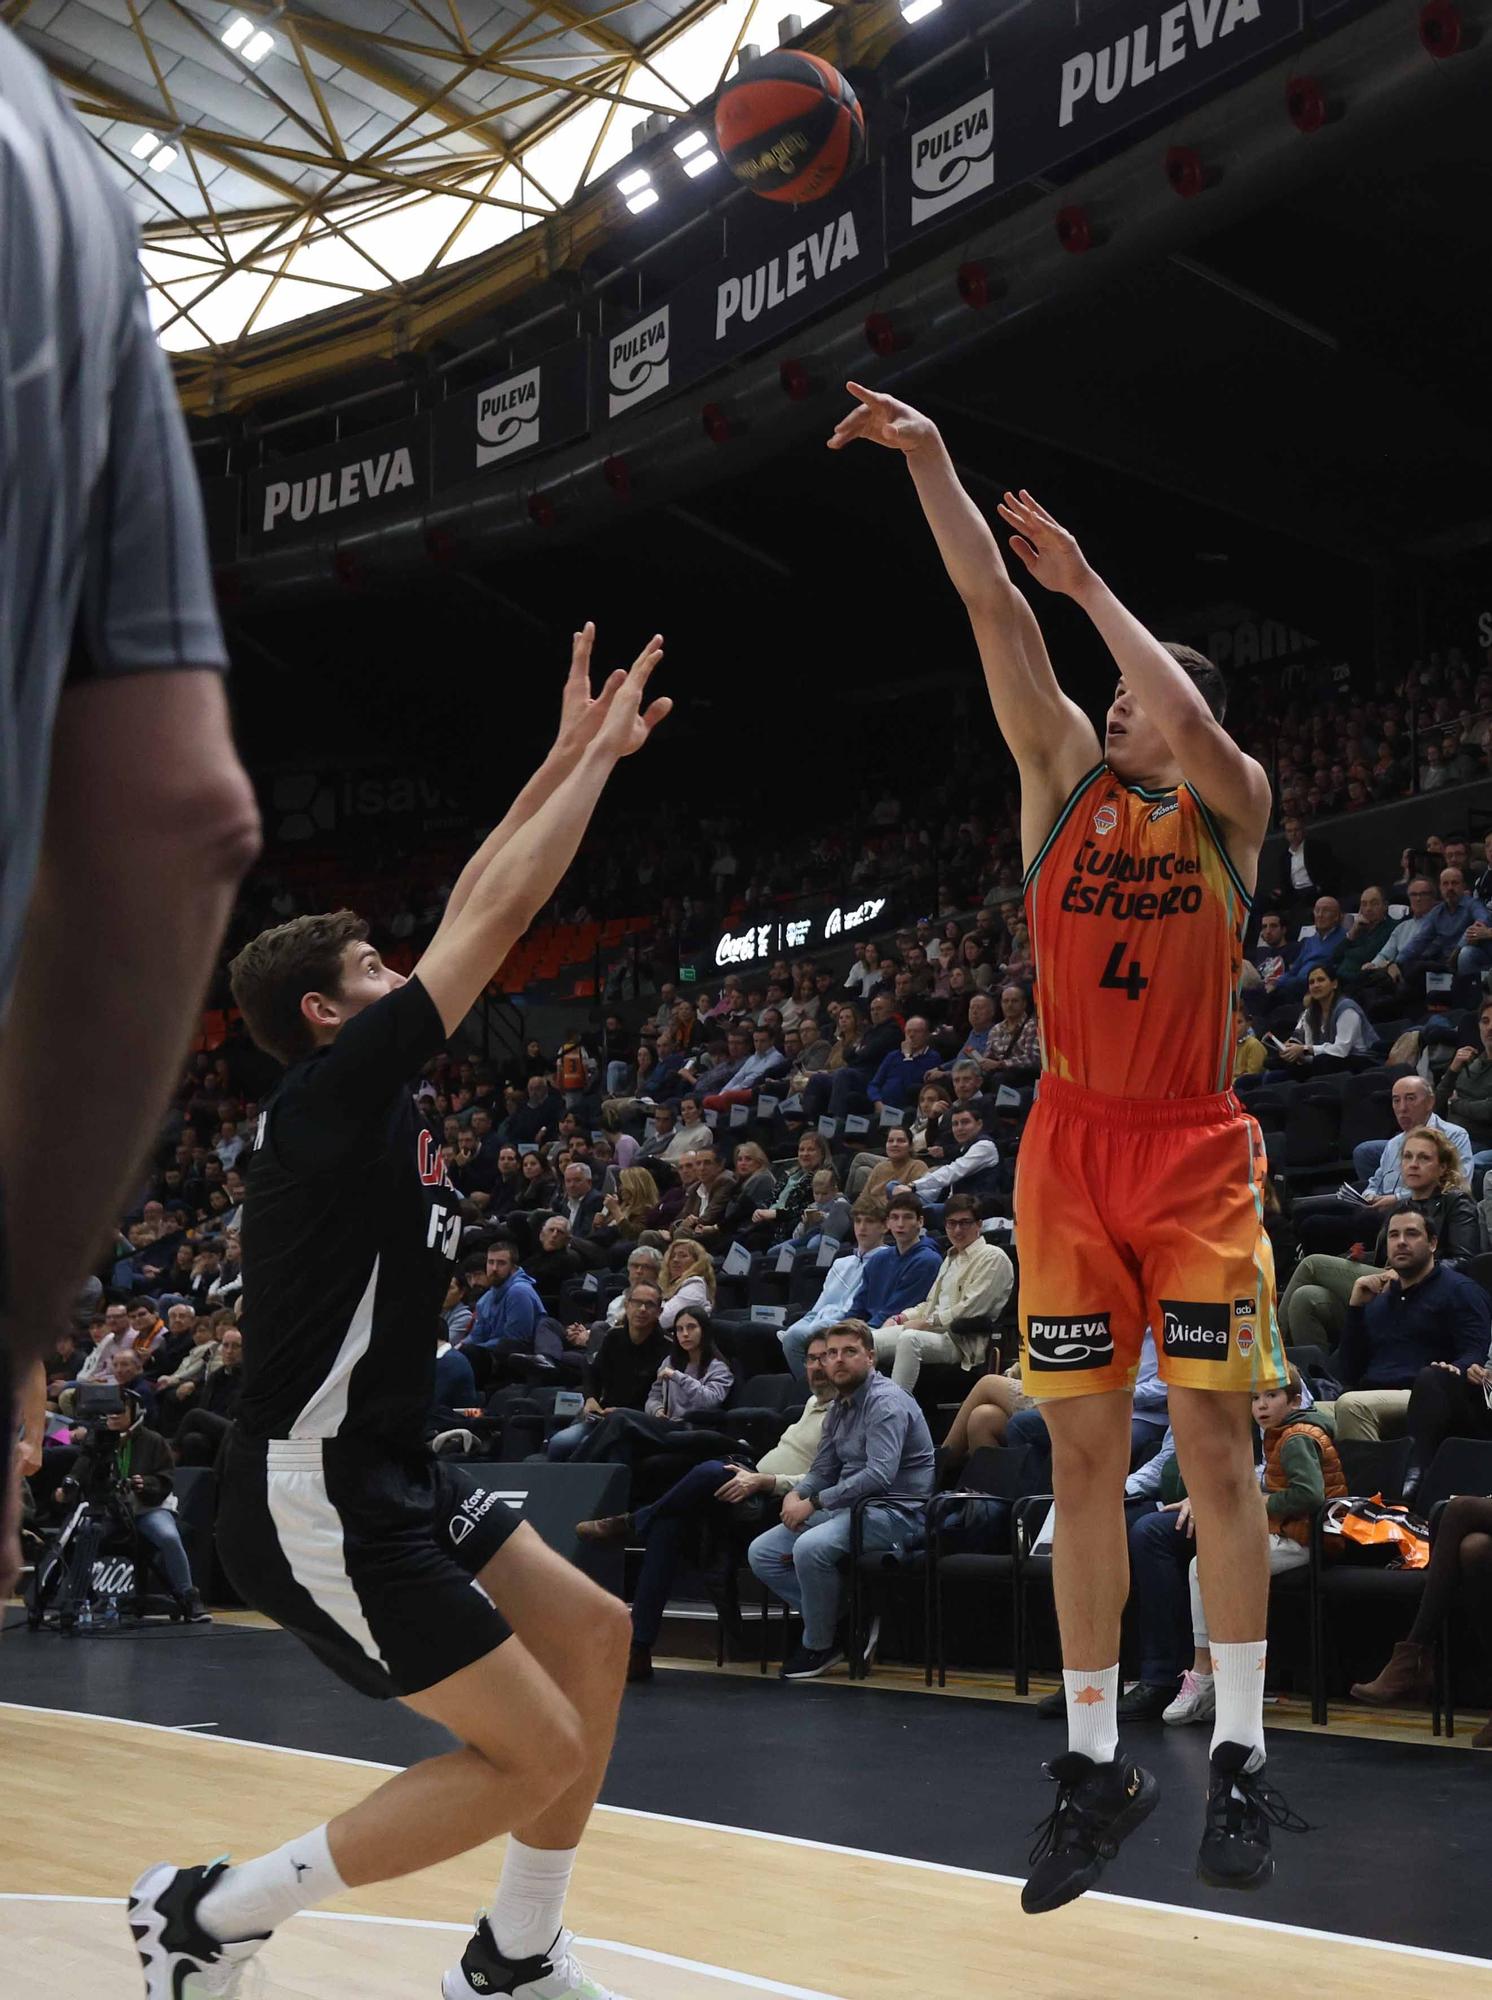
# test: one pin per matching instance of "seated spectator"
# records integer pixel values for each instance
(578, 1201)
(802, 1010)
(539, 1116)
(1313, 1310)
(900, 1274)
(875, 1441)
(732, 1489)
(692, 1135)
(977, 959)
(703, 1213)
(203, 1428)
(807, 1049)
(66, 1358)
(168, 1353)
(836, 1090)
(664, 1121)
(864, 976)
(1267, 963)
(508, 1311)
(536, 1196)
(1332, 1222)
(455, 1392)
(968, 1085)
(149, 1328)
(144, 1459)
(703, 1078)
(129, 1373)
(1438, 942)
(1333, 1033)
(974, 1281)
(457, 1316)
(780, 1217)
(1460, 1567)
(1399, 1321)
(899, 1078)
(933, 1101)
(671, 1201)
(1382, 975)
(827, 1219)
(624, 1214)
(1306, 870)
(971, 1169)
(756, 1185)
(644, 1265)
(687, 1283)
(1324, 945)
(765, 1060)
(621, 1372)
(554, 1263)
(1367, 935)
(874, 1173)
(693, 1380)
(842, 1282)
(1015, 1041)
(1464, 1093)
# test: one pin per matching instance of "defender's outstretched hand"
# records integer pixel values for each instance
(1048, 551)
(627, 725)
(583, 715)
(883, 420)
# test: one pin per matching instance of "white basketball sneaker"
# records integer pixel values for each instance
(1196, 1701)
(556, 1975)
(180, 1960)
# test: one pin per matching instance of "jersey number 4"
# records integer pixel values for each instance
(1121, 978)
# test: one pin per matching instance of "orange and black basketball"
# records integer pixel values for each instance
(790, 127)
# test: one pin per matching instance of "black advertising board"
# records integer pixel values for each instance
(1072, 77)
(221, 493)
(330, 492)
(782, 267)
(522, 410)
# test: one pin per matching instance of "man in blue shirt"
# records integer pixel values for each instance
(900, 1075)
(1438, 942)
(875, 1441)
(765, 1060)
(1324, 946)
(902, 1274)
(510, 1308)
(1401, 1320)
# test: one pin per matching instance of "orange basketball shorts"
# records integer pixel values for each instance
(1135, 1212)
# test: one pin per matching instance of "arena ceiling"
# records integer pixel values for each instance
(289, 158)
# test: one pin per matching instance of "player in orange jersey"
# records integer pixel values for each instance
(1139, 1193)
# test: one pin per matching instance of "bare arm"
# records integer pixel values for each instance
(580, 717)
(112, 971)
(523, 874)
(1228, 779)
(1050, 737)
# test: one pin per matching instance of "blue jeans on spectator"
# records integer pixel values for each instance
(835, 1093)
(564, 1444)
(803, 1567)
(157, 1525)
(1159, 1559)
(1471, 962)
(794, 1349)
(661, 1527)
(1027, 1431)
(1365, 1158)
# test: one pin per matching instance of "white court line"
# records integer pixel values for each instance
(1425, 1952)
(749, 1982)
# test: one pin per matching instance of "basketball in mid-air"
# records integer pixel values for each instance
(790, 127)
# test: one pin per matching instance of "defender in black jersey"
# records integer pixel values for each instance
(403, 1573)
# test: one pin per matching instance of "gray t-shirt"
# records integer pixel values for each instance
(103, 557)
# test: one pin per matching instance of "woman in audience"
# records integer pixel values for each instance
(774, 1220)
(827, 1218)
(803, 1007)
(865, 975)
(932, 1101)
(622, 1217)
(535, 1062)
(1460, 1569)
(956, 990)
(973, 956)
(687, 1281)
(756, 1186)
(1313, 1310)
(1333, 1033)
(227, 1285)
(894, 1165)
(631, 1083)
(1013, 1040)
(693, 1380)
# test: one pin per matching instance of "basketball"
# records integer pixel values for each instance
(790, 127)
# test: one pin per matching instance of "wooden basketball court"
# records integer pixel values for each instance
(676, 1909)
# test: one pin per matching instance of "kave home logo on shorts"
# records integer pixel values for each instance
(1070, 1343)
(953, 159)
(1193, 1332)
(508, 416)
(637, 362)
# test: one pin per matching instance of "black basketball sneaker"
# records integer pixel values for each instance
(1241, 1808)
(552, 1975)
(1098, 1806)
(173, 1946)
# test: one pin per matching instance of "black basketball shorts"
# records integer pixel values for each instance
(370, 1558)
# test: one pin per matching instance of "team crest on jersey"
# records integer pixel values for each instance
(432, 1166)
(1244, 1338)
(1106, 819)
(1165, 806)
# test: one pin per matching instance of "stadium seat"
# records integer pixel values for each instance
(999, 1477)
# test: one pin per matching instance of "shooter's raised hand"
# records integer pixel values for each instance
(883, 420)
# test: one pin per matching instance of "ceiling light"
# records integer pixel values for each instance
(690, 143)
(918, 10)
(643, 199)
(146, 143)
(700, 164)
(257, 49)
(237, 32)
(630, 183)
(166, 157)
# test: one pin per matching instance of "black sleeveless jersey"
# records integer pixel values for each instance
(350, 1230)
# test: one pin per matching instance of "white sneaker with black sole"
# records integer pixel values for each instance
(553, 1975)
(180, 1960)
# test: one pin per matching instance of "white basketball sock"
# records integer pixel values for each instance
(1093, 1713)
(1238, 1678)
(251, 1899)
(529, 1907)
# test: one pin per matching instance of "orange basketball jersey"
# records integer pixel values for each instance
(1136, 918)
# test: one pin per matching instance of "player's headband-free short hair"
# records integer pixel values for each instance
(1204, 675)
(274, 972)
